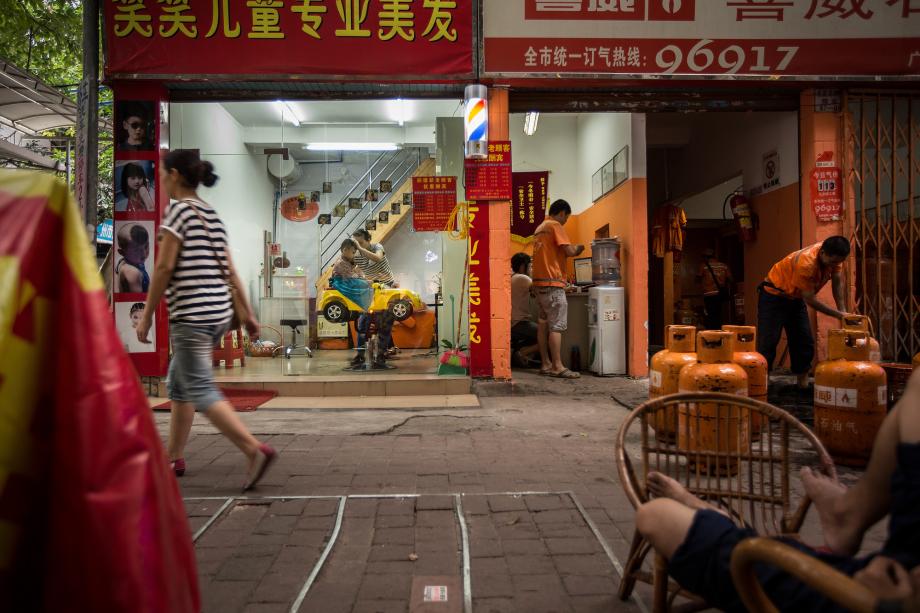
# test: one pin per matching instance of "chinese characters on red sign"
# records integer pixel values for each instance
(490, 179)
(319, 37)
(433, 201)
(528, 204)
(743, 37)
(479, 284)
(826, 189)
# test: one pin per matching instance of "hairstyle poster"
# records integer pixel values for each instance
(134, 186)
(134, 127)
(127, 316)
(133, 243)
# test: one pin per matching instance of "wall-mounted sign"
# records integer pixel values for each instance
(394, 39)
(489, 178)
(830, 100)
(528, 204)
(327, 187)
(434, 199)
(826, 188)
(383, 217)
(479, 288)
(770, 170)
(395, 208)
(325, 329)
(324, 220)
(355, 203)
(745, 38)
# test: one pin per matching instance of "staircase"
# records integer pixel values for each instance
(343, 227)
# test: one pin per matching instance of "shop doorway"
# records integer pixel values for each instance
(298, 179)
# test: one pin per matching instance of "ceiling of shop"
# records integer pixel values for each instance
(413, 112)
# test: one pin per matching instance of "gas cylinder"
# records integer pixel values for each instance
(664, 373)
(851, 397)
(744, 354)
(710, 426)
(861, 323)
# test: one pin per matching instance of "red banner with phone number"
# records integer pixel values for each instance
(479, 287)
(305, 37)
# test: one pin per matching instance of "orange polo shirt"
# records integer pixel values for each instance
(549, 255)
(799, 272)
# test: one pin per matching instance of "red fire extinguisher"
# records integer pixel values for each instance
(741, 211)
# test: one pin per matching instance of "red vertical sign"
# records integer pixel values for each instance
(433, 200)
(479, 287)
(826, 189)
(490, 179)
(528, 202)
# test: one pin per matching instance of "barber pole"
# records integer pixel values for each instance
(476, 122)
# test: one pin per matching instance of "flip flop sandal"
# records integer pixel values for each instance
(546, 373)
(565, 374)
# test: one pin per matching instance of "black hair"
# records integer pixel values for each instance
(137, 306)
(349, 244)
(518, 260)
(559, 206)
(836, 246)
(139, 235)
(130, 170)
(133, 109)
(192, 169)
(363, 233)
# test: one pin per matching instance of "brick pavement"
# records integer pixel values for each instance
(530, 553)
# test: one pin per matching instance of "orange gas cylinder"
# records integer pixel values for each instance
(916, 361)
(664, 374)
(861, 323)
(709, 426)
(851, 397)
(744, 354)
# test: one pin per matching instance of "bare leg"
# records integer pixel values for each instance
(530, 351)
(663, 486)
(543, 344)
(181, 416)
(665, 524)
(846, 514)
(230, 425)
(555, 350)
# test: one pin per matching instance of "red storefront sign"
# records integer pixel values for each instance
(490, 179)
(479, 287)
(433, 201)
(264, 38)
(752, 38)
(528, 203)
(826, 189)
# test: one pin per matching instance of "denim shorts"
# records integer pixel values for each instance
(190, 377)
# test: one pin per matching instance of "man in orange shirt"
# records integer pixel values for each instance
(551, 247)
(716, 279)
(792, 284)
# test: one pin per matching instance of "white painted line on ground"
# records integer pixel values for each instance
(227, 503)
(322, 559)
(465, 543)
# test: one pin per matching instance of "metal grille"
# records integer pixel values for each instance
(883, 183)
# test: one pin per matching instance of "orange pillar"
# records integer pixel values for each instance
(499, 250)
(819, 133)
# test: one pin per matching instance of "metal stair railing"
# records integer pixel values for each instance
(397, 169)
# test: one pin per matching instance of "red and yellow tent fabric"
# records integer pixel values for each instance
(90, 517)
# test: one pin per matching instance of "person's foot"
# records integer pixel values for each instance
(663, 486)
(258, 466)
(358, 360)
(826, 493)
(178, 466)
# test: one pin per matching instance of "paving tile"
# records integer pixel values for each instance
(436, 503)
(582, 586)
(393, 586)
(495, 605)
(497, 504)
(530, 565)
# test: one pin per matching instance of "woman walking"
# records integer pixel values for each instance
(193, 269)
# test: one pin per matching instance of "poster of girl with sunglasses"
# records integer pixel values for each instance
(135, 125)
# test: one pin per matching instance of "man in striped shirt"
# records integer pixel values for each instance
(372, 260)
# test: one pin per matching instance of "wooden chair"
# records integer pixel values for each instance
(840, 588)
(745, 469)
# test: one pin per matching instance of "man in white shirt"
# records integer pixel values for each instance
(523, 329)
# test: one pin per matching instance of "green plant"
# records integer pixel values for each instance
(450, 346)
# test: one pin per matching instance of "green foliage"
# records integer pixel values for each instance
(449, 345)
(45, 37)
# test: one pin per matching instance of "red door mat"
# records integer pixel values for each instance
(243, 400)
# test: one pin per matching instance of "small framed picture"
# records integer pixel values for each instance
(327, 187)
(339, 210)
(370, 225)
(370, 195)
(314, 196)
(386, 187)
(597, 187)
(324, 220)
(355, 203)
(607, 176)
(134, 125)
(134, 186)
(407, 199)
(384, 217)
(395, 208)
(621, 166)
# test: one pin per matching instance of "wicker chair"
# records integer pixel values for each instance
(745, 469)
(840, 588)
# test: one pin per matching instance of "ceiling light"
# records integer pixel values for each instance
(402, 111)
(530, 122)
(351, 147)
(287, 112)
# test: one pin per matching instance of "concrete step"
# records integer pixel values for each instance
(409, 403)
(369, 384)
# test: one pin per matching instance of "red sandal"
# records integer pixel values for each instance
(178, 466)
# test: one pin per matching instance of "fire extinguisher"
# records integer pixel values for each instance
(741, 211)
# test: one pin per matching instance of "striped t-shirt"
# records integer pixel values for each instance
(375, 271)
(198, 293)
